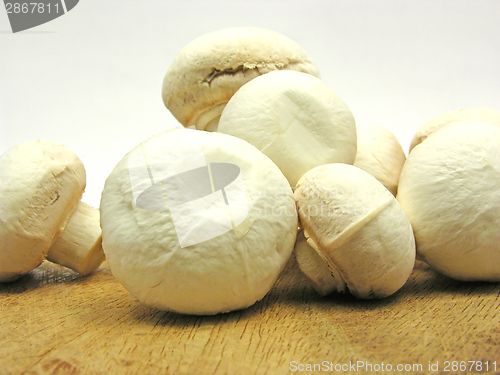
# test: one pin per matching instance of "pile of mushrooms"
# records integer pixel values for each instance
(202, 220)
(308, 131)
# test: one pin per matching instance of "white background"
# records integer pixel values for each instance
(91, 79)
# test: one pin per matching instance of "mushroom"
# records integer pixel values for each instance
(197, 222)
(449, 189)
(293, 118)
(41, 215)
(488, 115)
(209, 70)
(380, 154)
(354, 226)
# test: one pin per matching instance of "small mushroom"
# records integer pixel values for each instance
(488, 115)
(380, 154)
(41, 215)
(355, 226)
(293, 118)
(208, 71)
(197, 222)
(449, 189)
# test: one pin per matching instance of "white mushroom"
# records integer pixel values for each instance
(209, 70)
(197, 222)
(380, 154)
(449, 188)
(293, 118)
(41, 215)
(488, 115)
(357, 228)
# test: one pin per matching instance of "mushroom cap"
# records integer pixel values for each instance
(209, 70)
(197, 251)
(293, 118)
(356, 225)
(41, 183)
(488, 115)
(449, 188)
(380, 154)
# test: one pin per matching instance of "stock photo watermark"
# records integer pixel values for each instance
(205, 200)
(450, 366)
(24, 15)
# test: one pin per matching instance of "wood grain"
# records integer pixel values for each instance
(56, 322)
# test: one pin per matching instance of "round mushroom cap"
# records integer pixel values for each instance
(489, 115)
(293, 118)
(209, 70)
(380, 154)
(197, 222)
(41, 183)
(358, 228)
(449, 188)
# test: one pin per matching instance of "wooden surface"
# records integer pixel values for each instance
(55, 322)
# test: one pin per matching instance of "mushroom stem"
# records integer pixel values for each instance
(316, 269)
(79, 246)
(209, 119)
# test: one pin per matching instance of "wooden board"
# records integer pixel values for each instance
(55, 322)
